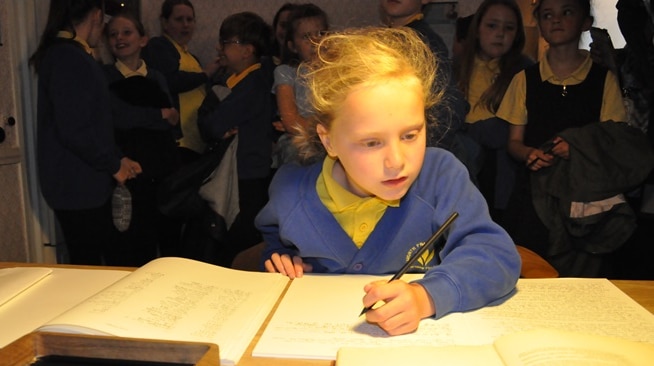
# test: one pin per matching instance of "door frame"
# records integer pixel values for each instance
(26, 19)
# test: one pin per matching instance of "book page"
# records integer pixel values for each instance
(55, 293)
(319, 314)
(412, 355)
(552, 347)
(531, 348)
(13, 281)
(184, 300)
(590, 306)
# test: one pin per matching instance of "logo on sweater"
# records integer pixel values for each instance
(421, 264)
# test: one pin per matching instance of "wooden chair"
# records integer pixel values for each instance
(534, 266)
(249, 259)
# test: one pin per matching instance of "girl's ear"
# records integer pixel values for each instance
(323, 134)
(144, 41)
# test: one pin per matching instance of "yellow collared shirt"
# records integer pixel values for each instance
(513, 107)
(483, 75)
(236, 78)
(189, 102)
(358, 216)
(68, 35)
(127, 72)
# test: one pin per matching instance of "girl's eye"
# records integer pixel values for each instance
(410, 136)
(371, 143)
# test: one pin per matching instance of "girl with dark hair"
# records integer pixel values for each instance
(78, 161)
(306, 24)
(491, 55)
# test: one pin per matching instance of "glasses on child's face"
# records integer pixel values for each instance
(314, 36)
(223, 42)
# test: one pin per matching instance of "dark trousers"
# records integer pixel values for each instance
(242, 234)
(87, 234)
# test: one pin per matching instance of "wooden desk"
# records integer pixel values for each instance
(641, 291)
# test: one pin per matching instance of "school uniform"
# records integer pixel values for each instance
(76, 153)
(478, 263)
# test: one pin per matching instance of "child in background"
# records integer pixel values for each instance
(246, 108)
(380, 192)
(565, 89)
(492, 55)
(279, 25)
(306, 24)
(78, 162)
(144, 121)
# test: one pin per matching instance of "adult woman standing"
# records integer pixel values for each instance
(78, 161)
(185, 76)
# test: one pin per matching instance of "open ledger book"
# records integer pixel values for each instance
(175, 299)
(318, 325)
(535, 347)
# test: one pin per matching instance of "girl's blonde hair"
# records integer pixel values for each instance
(348, 59)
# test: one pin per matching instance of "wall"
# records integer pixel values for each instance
(210, 14)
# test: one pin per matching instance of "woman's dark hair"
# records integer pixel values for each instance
(62, 15)
(248, 28)
(276, 46)
(168, 5)
(299, 12)
(509, 64)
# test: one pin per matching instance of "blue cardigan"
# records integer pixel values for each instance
(76, 153)
(479, 261)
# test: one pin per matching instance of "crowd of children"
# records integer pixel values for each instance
(340, 144)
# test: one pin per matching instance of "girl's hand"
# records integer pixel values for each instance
(128, 169)
(561, 149)
(170, 115)
(279, 126)
(288, 267)
(405, 305)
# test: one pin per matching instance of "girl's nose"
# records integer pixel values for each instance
(394, 157)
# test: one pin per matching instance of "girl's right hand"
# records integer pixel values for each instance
(537, 159)
(293, 268)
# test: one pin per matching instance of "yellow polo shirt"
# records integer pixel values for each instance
(514, 110)
(189, 102)
(483, 76)
(358, 216)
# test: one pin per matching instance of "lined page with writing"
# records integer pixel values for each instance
(183, 300)
(535, 347)
(318, 315)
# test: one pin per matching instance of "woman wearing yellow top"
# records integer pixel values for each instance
(185, 76)
(492, 54)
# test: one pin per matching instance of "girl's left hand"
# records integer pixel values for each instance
(562, 149)
(405, 305)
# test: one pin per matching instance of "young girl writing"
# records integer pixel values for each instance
(305, 25)
(144, 120)
(491, 56)
(565, 89)
(380, 193)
